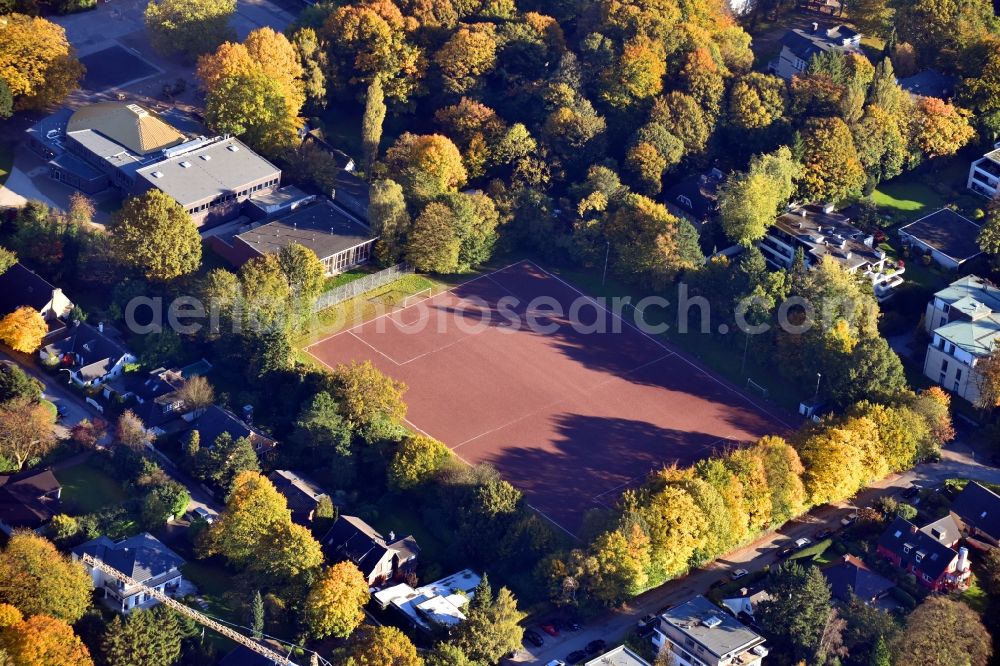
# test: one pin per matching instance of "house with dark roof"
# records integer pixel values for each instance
(339, 240)
(21, 287)
(353, 194)
(695, 198)
(144, 559)
(978, 508)
(214, 421)
(88, 354)
(948, 237)
(151, 396)
(852, 576)
(799, 47)
(378, 558)
(925, 555)
(929, 83)
(243, 656)
(28, 500)
(315, 137)
(302, 493)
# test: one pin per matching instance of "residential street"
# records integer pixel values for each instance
(77, 410)
(957, 461)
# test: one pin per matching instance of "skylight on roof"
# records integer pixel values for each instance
(233, 148)
(157, 174)
(206, 157)
(185, 164)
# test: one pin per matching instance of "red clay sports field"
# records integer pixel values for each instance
(570, 417)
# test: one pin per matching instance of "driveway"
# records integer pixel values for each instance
(957, 461)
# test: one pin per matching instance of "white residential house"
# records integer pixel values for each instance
(144, 559)
(798, 47)
(984, 173)
(699, 633)
(820, 231)
(439, 604)
(88, 354)
(964, 322)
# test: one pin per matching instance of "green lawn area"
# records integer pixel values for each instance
(341, 279)
(214, 581)
(917, 193)
(51, 407)
(820, 553)
(907, 199)
(975, 596)
(87, 489)
(6, 160)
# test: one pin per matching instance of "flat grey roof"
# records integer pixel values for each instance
(320, 226)
(727, 634)
(74, 164)
(212, 171)
(947, 232)
(110, 151)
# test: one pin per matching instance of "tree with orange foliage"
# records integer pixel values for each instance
(941, 128)
(23, 329)
(44, 641)
(988, 380)
(37, 62)
(26, 430)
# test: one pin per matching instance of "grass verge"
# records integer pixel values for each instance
(88, 489)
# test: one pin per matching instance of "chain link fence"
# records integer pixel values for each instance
(355, 288)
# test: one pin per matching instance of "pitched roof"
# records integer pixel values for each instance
(97, 353)
(301, 492)
(129, 125)
(22, 498)
(944, 530)
(697, 194)
(355, 540)
(978, 507)
(917, 548)
(619, 656)
(20, 286)
(947, 232)
(853, 575)
(142, 557)
(215, 421)
(806, 44)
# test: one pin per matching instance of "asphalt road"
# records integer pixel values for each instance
(957, 461)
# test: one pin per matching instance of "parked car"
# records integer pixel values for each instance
(646, 625)
(849, 520)
(739, 573)
(575, 657)
(201, 513)
(596, 646)
(555, 662)
(572, 626)
(823, 534)
(534, 638)
(785, 552)
(802, 543)
(550, 629)
(910, 492)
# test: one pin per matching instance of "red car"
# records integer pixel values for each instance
(550, 629)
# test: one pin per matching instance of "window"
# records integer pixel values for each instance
(928, 578)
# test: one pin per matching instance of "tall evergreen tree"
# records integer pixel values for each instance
(371, 123)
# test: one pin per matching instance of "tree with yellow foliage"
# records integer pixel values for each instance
(425, 165)
(621, 562)
(378, 646)
(23, 329)
(834, 464)
(37, 62)
(469, 53)
(189, 27)
(39, 580)
(335, 605)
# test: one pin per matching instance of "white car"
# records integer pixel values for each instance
(203, 513)
(739, 573)
(556, 662)
(802, 543)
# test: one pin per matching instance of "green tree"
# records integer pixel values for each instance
(152, 233)
(371, 122)
(683, 117)
(253, 106)
(989, 234)
(784, 479)
(798, 609)
(446, 654)
(991, 571)
(831, 170)
(163, 501)
(371, 401)
(143, 638)
(257, 615)
(38, 580)
(943, 631)
(16, 383)
(880, 655)
(425, 165)
(226, 459)
(321, 431)
(304, 271)
(314, 64)
(649, 244)
(756, 101)
(189, 27)
(389, 219)
(433, 244)
(491, 628)
(749, 202)
(335, 605)
(6, 101)
(467, 55)
(416, 460)
(881, 145)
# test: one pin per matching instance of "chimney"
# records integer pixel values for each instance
(392, 536)
(827, 208)
(100, 326)
(815, 27)
(963, 560)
